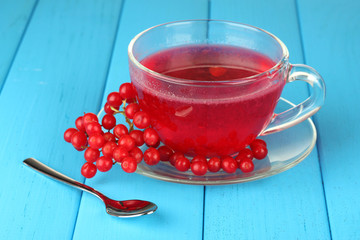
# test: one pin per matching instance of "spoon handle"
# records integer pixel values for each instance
(48, 171)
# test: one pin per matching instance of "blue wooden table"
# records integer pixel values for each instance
(59, 59)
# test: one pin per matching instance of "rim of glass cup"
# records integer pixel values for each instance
(163, 77)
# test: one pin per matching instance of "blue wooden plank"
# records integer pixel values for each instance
(290, 205)
(13, 22)
(331, 36)
(180, 212)
(59, 72)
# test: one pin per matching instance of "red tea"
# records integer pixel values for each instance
(219, 113)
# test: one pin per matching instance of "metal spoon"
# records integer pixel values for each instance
(127, 208)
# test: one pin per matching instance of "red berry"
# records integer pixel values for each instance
(68, 134)
(245, 154)
(108, 148)
(214, 164)
(174, 157)
(127, 142)
(246, 166)
(155, 145)
(96, 141)
(109, 137)
(165, 153)
(182, 164)
(108, 121)
(131, 109)
(89, 117)
(229, 165)
(119, 153)
(120, 130)
(138, 136)
(108, 109)
(217, 71)
(88, 170)
(137, 154)
(199, 158)
(104, 164)
(94, 128)
(152, 156)
(79, 141)
(259, 151)
(129, 164)
(199, 168)
(257, 142)
(151, 137)
(79, 123)
(114, 99)
(127, 91)
(91, 155)
(141, 120)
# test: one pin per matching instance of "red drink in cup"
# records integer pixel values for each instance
(211, 87)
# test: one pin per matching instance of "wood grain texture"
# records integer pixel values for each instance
(59, 72)
(13, 22)
(180, 212)
(290, 205)
(331, 34)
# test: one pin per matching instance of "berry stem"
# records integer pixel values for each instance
(131, 124)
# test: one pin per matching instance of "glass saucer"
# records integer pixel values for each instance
(285, 150)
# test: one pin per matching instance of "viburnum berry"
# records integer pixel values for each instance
(129, 164)
(151, 137)
(104, 164)
(89, 117)
(214, 164)
(127, 91)
(120, 130)
(229, 165)
(96, 141)
(199, 158)
(217, 71)
(119, 153)
(114, 99)
(131, 109)
(257, 142)
(259, 151)
(141, 120)
(108, 110)
(79, 123)
(137, 154)
(165, 153)
(155, 145)
(199, 167)
(246, 166)
(93, 128)
(108, 148)
(127, 142)
(174, 157)
(68, 134)
(108, 121)
(152, 156)
(109, 137)
(79, 141)
(138, 136)
(245, 154)
(91, 155)
(182, 164)
(88, 170)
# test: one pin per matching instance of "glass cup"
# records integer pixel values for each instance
(216, 118)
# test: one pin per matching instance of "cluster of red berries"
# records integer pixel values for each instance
(119, 143)
(199, 165)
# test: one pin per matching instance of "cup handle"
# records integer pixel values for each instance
(307, 108)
